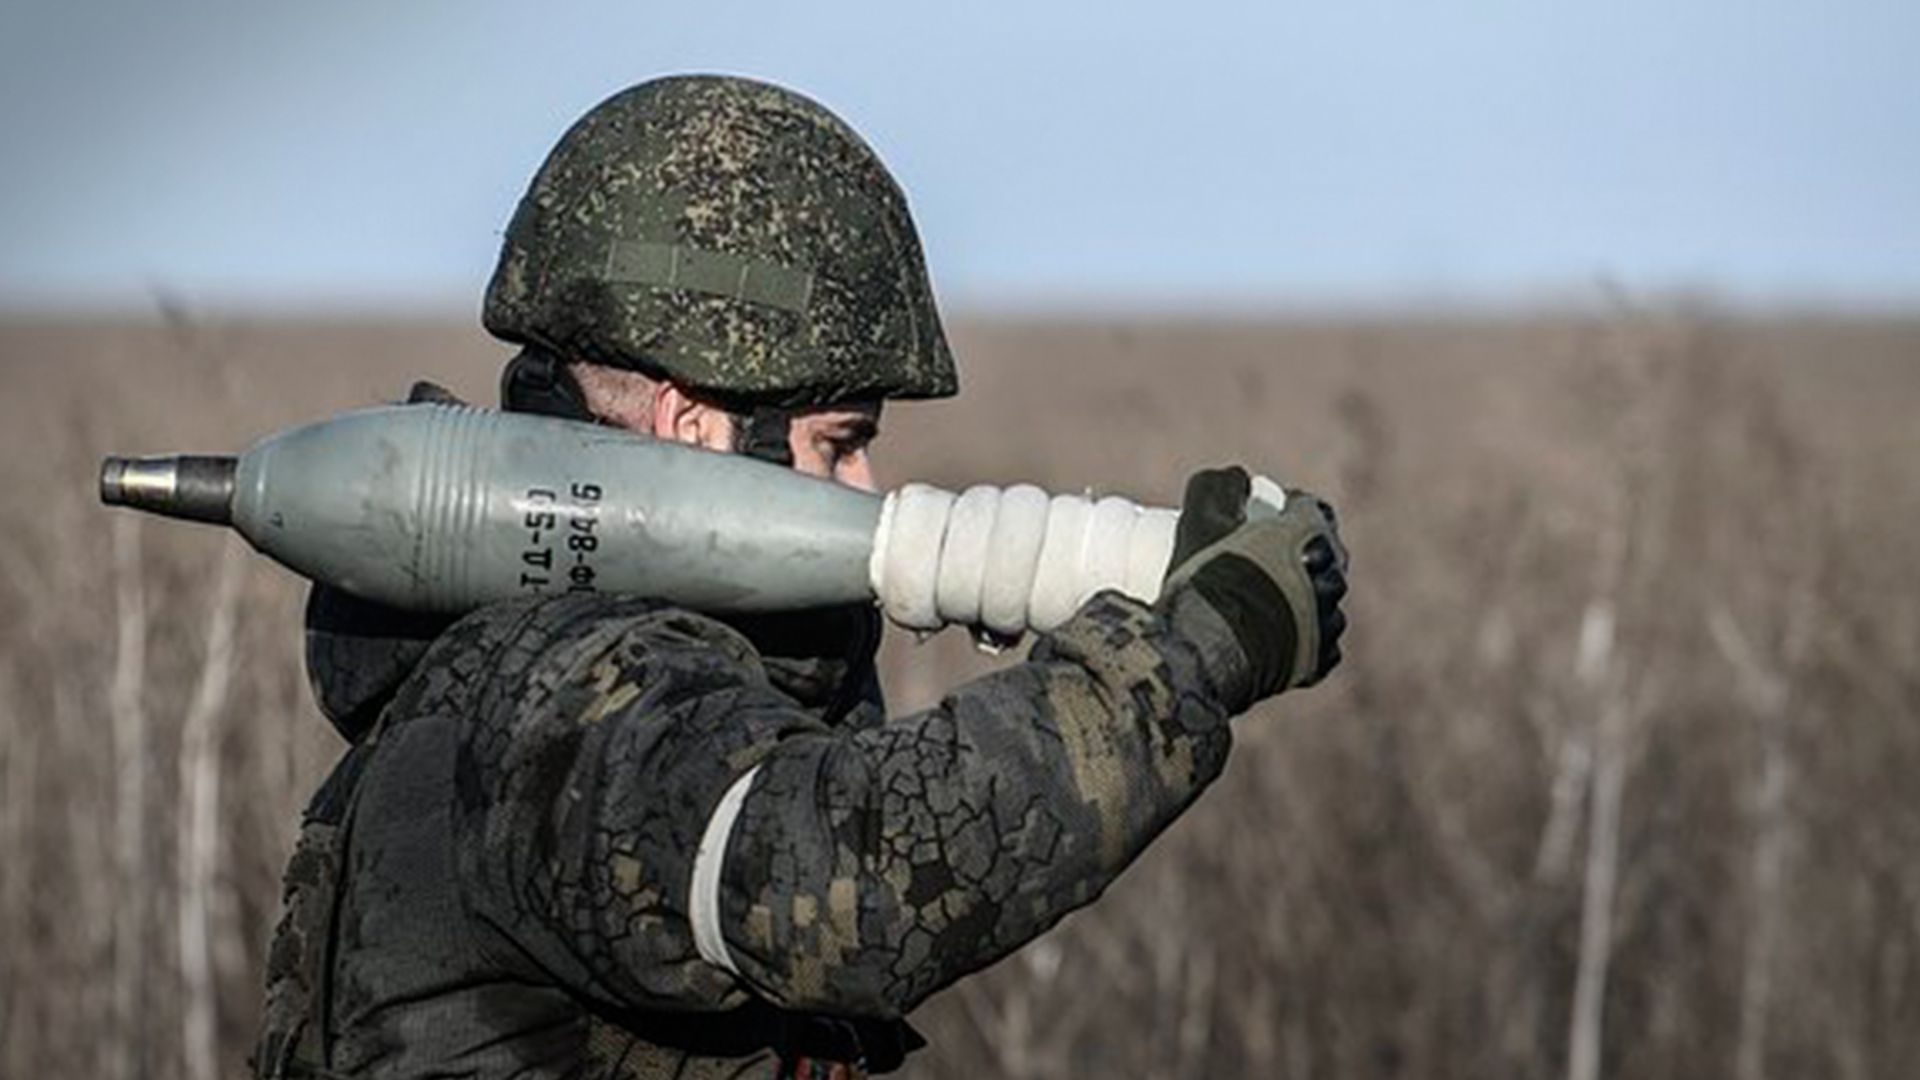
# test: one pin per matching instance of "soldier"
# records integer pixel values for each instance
(601, 836)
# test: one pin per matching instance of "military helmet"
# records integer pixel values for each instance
(729, 235)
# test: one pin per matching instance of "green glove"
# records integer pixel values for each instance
(1277, 579)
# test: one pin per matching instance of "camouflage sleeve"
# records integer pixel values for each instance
(867, 870)
(606, 730)
(869, 866)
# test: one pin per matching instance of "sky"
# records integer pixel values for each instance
(1203, 154)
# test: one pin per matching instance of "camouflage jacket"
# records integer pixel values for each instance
(495, 881)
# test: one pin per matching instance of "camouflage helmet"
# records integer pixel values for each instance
(732, 236)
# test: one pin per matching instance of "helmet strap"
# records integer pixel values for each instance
(764, 433)
(536, 381)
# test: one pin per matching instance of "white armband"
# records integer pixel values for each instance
(708, 861)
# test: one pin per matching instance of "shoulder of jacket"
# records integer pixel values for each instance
(547, 637)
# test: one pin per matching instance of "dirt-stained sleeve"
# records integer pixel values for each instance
(607, 730)
(868, 866)
(871, 868)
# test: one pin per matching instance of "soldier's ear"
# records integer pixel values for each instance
(680, 418)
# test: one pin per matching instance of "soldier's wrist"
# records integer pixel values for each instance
(1262, 615)
(1223, 659)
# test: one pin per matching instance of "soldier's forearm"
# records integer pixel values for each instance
(867, 870)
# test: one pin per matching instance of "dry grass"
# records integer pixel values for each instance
(1617, 780)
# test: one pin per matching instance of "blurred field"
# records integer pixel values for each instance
(1619, 778)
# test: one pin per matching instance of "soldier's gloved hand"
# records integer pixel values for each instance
(1276, 579)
